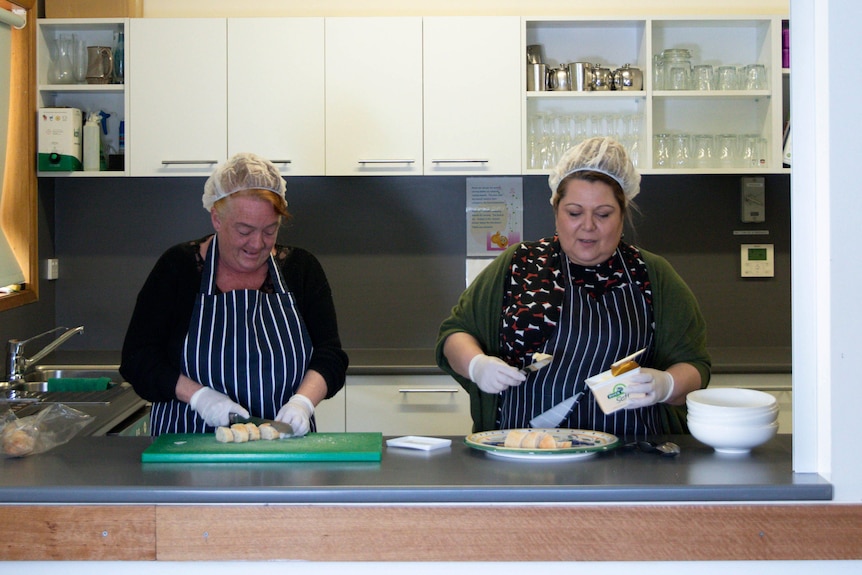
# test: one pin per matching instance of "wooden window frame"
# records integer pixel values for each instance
(20, 197)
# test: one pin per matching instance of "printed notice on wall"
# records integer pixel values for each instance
(495, 209)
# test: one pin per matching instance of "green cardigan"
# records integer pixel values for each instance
(680, 331)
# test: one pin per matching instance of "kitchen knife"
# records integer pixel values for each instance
(283, 428)
(552, 417)
(544, 360)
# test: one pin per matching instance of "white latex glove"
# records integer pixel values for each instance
(297, 413)
(215, 407)
(493, 375)
(648, 387)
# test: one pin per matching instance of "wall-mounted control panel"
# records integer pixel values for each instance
(753, 206)
(758, 260)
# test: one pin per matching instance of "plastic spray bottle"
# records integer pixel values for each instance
(92, 144)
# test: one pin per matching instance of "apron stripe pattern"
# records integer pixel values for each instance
(250, 345)
(592, 333)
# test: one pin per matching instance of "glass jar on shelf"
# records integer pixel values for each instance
(676, 69)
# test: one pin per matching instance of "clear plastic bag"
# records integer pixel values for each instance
(33, 434)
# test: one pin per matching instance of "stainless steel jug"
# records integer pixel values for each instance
(581, 76)
(537, 78)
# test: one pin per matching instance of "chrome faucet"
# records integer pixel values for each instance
(17, 365)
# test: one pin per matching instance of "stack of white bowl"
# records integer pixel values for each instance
(732, 420)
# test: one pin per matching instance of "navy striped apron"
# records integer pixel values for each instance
(250, 345)
(593, 332)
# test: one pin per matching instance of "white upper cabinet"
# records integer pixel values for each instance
(275, 92)
(177, 73)
(472, 72)
(434, 95)
(374, 96)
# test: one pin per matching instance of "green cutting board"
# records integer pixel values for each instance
(203, 448)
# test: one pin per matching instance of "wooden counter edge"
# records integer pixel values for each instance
(77, 533)
(432, 533)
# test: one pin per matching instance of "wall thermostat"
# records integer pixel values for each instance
(758, 260)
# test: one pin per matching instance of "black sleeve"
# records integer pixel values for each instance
(152, 349)
(307, 281)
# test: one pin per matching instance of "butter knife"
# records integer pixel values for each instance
(538, 364)
(284, 429)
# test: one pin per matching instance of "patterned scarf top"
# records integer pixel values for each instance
(535, 289)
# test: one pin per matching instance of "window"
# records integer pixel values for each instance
(18, 248)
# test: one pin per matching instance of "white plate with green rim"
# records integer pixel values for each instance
(585, 443)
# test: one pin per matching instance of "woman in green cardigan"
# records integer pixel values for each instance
(587, 298)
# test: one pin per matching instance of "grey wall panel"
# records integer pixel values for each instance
(394, 247)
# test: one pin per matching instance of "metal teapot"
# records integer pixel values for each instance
(603, 78)
(628, 78)
(558, 79)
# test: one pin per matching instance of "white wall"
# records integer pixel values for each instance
(825, 222)
(634, 8)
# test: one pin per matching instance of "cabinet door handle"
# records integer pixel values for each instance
(429, 390)
(363, 162)
(188, 162)
(459, 161)
(281, 161)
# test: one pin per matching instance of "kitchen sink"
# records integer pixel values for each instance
(46, 372)
(35, 387)
(110, 408)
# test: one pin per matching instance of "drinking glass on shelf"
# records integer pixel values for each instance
(703, 77)
(546, 142)
(581, 125)
(80, 59)
(633, 148)
(534, 136)
(661, 151)
(702, 150)
(597, 125)
(755, 77)
(726, 78)
(679, 151)
(679, 78)
(753, 151)
(633, 125)
(658, 72)
(726, 150)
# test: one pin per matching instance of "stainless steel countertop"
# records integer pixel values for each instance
(109, 470)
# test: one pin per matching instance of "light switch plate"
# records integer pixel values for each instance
(758, 260)
(753, 200)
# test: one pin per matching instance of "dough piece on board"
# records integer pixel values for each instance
(253, 431)
(267, 431)
(240, 433)
(224, 434)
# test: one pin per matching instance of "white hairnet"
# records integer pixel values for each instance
(243, 171)
(600, 154)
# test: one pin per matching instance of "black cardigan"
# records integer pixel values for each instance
(153, 347)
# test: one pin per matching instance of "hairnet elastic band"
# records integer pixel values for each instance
(599, 170)
(276, 192)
